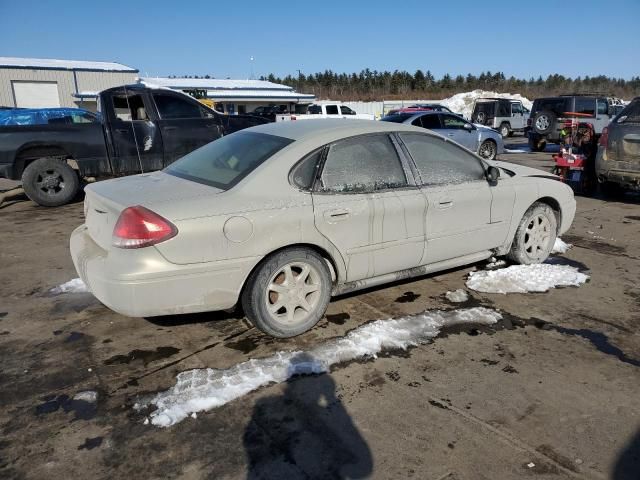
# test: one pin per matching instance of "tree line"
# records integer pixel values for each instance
(369, 85)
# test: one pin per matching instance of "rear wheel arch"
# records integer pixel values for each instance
(336, 273)
(28, 154)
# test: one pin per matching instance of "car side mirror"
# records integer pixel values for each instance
(468, 126)
(610, 111)
(493, 173)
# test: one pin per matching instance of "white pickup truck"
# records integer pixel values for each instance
(326, 110)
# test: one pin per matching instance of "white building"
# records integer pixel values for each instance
(42, 83)
(235, 96)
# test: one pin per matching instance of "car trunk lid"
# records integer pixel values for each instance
(104, 201)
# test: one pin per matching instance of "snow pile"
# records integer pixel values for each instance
(72, 286)
(89, 396)
(203, 389)
(457, 296)
(525, 278)
(560, 246)
(462, 103)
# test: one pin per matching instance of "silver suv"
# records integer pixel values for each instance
(502, 114)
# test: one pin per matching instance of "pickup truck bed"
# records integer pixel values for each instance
(141, 129)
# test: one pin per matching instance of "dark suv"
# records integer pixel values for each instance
(551, 115)
(618, 159)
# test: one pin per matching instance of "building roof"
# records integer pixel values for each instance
(212, 84)
(52, 64)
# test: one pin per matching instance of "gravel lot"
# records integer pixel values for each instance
(550, 392)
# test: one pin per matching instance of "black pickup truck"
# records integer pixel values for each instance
(141, 129)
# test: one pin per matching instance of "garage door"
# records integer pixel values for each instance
(36, 94)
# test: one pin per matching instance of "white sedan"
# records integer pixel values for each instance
(282, 216)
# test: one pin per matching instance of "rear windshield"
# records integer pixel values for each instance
(557, 105)
(224, 162)
(630, 114)
(398, 117)
(488, 108)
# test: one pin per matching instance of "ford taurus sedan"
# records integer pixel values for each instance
(485, 141)
(280, 217)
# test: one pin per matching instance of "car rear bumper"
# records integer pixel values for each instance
(6, 171)
(626, 174)
(142, 283)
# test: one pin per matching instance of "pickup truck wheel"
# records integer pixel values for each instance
(50, 182)
(535, 235)
(288, 293)
(505, 130)
(488, 150)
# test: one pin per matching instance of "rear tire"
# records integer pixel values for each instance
(50, 182)
(505, 130)
(535, 235)
(288, 293)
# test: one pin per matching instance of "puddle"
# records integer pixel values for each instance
(91, 443)
(633, 217)
(73, 336)
(246, 345)
(147, 356)
(408, 297)
(3, 314)
(82, 409)
(338, 318)
(601, 247)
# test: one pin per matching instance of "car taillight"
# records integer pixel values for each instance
(604, 138)
(139, 227)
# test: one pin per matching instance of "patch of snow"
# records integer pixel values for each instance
(203, 389)
(86, 396)
(560, 246)
(462, 103)
(525, 278)
(495, 264)
(457, 296)
(517, 150)
(72, 286)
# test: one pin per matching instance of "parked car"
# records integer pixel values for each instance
(551, 115)
(326, 110)
(421, 107)
(482, 140)
(282, 216)
(502, 114)
(141, 130)
(270, 112)
(618, 157)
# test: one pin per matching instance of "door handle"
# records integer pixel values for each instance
(170, 128)
(445, 203)
(450, 134)
(122, 130)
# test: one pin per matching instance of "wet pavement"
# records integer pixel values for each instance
(551, 391)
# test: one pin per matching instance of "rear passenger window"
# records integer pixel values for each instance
(304, 173)
(440, 162)
(430, 121)
(361, 165)
(585, 105)
(332, 109)
(170, 106)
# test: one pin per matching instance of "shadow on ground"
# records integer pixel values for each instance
(305, 433)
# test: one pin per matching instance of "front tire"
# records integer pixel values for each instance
(535, 235)
(488, 150)
(288, 293)
(50, 182)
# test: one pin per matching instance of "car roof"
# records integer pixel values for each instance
(300, 129)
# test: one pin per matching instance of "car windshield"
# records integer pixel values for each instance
(557, 105)
(397, 118)
(224, 162)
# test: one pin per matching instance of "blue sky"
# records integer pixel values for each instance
(195, 37)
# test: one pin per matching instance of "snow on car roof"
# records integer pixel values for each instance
(53, 64)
